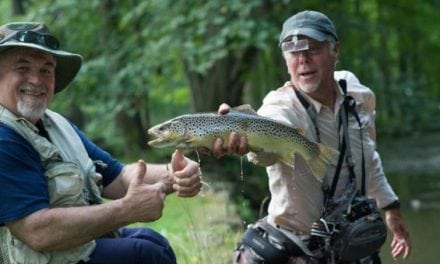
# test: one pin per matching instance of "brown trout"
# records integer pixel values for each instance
(192, 131)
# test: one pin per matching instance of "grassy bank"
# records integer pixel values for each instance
(203, 229)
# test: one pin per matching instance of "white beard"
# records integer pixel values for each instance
(308, 89)
(31, 109)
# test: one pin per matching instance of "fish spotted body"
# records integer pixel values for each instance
(197, 130)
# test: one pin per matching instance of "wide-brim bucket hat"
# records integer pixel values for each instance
(37, 36)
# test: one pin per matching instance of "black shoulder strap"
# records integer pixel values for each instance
(311, 111)
(352, 110)
(332, 190)
(349, 106)
(343, 84)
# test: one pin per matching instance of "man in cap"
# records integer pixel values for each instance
(312, 100)
(53, 178)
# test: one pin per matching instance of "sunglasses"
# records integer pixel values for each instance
(295, 45)
(42, 39)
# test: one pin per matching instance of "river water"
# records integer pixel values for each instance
(420, 196)
(413, 169)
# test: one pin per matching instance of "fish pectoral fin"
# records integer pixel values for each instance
(245, 108)
(328, 153)
(289, 160)
(190, 141)
(186, 142)
(320, 162)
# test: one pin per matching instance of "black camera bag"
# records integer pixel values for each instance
(359, 230)
(352, 223)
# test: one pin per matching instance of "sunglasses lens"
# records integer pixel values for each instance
(38, 38)
(52, 42)
(22, 36)
(294, 46)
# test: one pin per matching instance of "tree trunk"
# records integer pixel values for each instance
(18, 7)
(223, 83)
(131, 125)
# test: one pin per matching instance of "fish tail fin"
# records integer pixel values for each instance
(319, 163)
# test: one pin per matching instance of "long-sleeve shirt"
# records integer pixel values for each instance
(296, 195)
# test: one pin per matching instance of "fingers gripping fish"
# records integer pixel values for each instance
(197, 130)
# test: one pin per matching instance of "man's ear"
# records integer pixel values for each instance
(336, 48)
(335, 52)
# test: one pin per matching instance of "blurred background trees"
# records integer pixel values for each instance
(147, 61)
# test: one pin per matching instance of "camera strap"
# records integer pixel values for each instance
(311, 111)
(348, 106)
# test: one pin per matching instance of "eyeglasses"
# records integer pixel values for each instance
(296, 47)
(42, 39)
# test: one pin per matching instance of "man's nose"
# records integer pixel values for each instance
(34, 77)
(303, 56)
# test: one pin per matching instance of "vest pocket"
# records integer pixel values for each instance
(21, 253)
(65, 181)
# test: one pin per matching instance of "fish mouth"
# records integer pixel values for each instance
(161, 143)
(157, 140)
(166, 141)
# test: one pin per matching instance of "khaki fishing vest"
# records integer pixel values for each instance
(72, 181)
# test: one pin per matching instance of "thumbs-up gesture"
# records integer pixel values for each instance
(146, 201)
(187, 175)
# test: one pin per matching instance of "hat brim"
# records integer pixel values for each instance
(308, 32)
(67, 67)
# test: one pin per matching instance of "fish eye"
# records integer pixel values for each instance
(165, 127)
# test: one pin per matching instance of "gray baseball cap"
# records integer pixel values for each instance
(312, 24)
(37, 36)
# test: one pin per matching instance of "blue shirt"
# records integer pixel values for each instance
(23, 185)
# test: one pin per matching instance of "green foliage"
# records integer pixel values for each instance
(140, 50)
(384, 44)
(147, 61)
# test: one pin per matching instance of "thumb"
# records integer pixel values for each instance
(140, 172)
(178, 161)
(161, 186)
(223, 109)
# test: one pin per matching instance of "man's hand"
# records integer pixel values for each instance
(187, 175)
(223, 109)
(236, 144)
(145, 200)
(401, 243)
